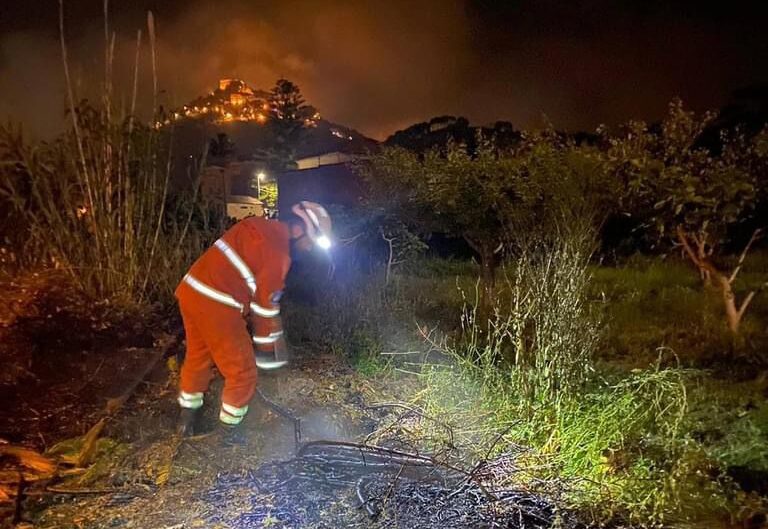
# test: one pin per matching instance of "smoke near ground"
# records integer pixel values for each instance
(380, 66)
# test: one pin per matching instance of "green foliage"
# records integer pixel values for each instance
(627, 450)
(371, 364)
(731, 421)
(652, 445)
(691, 196)
(487, 196)
(617, 448)
(673, 183)
(567, 188)
(453, 191)
(268, 193)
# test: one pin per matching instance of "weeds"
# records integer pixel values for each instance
(541, 340)
(621, 448)
(641, 439)
(95, 202)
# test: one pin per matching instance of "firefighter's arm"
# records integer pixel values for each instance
(265, 314)
(269, 342)
(266, 332)
(265, 309)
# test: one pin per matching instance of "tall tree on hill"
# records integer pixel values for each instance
(289, 115)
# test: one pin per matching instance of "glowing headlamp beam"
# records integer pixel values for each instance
(323, 242)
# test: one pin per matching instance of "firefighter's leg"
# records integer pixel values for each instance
(232, 350)
(196, 372)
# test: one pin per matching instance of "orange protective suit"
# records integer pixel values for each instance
(238, 279)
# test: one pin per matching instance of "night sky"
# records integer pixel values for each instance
(379, 66)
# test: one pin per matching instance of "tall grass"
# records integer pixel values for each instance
(614, 452)
(95, 202)
(544, 329)
(651, 446)
(613, 449)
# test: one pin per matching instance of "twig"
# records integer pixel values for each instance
(393, 484)
(18, 503)
(417, 411)
(755, 236)
(397, 455)
(65, 490)
(91, 378)
(500, 437)
(365, 502)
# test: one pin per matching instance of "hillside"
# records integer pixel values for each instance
(250, 121)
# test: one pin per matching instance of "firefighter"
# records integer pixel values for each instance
(229, 301)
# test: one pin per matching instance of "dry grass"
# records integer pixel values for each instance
(96, 202)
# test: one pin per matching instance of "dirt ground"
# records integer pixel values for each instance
(62, 365)
(65, 360)
(160, 482)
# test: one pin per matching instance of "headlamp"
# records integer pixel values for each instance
(323, 242)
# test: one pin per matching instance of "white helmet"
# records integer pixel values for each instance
(316, 221)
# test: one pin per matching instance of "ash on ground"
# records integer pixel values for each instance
(367, 488)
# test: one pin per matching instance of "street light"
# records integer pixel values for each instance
(259, 177)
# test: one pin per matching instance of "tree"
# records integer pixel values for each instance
(566, 187)
(441, 130)
(488, 196)
(446, 191)
(290, 115)
(689, 195)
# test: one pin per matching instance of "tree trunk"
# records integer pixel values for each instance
(488, 266)
(701, 250)
(734, 312)
(390, 257)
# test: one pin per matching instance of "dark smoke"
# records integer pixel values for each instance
(378, 66)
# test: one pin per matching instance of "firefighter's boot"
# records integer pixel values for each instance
(185, 425)
(232, 435)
